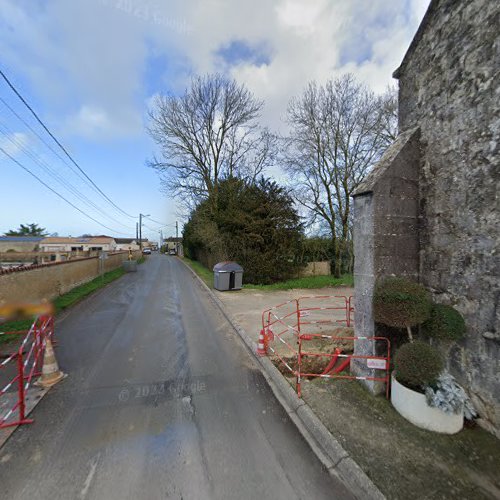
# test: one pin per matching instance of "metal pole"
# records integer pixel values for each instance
(20, 387)
(140, 231)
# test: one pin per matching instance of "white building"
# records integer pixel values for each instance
(90, 244)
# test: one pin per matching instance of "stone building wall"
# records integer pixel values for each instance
(449, 85)
(47, 281)
(386, 238)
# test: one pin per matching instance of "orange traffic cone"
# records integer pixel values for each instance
(261, 346)
(50, 370)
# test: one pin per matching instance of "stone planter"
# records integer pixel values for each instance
(413, 406)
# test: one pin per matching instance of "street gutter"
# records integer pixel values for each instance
(328, 450)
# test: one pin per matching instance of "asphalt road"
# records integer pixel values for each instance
(162, 401)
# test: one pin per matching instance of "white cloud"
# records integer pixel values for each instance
(14, 143)
(89, 59)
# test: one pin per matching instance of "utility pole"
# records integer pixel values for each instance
(140, 228)
(140, 231)
(136, 231)
(176, 237)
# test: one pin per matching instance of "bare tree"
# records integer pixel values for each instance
(208, 134)
(338, 131)
(388, 103)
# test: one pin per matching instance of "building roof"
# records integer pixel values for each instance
(386, 161)
(20, 239)
(68, 240)
(123, 241)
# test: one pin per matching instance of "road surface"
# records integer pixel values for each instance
(162, 401)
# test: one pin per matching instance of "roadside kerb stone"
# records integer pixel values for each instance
(328, 450)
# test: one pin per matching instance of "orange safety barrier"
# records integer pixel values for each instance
(26, 363)
(286, 323)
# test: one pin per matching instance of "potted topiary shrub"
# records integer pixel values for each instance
(445, 323)
(418, 367)
(401, 303)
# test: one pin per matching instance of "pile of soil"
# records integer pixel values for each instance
(310, 364)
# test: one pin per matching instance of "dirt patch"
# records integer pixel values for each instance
(312, 365)
(316, 345)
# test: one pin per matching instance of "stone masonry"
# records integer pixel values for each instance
(449, 89)
(386, 212)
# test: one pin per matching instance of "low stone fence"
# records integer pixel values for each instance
(47, 281)
(315, 269)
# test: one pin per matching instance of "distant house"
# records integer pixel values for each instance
(127, 243)
(173, 243)
(19, 243)
(90, 244)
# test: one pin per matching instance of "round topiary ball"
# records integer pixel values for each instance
(445, 323)
(417, 364)
(400, 303)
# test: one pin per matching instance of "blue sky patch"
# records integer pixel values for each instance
(239, 51)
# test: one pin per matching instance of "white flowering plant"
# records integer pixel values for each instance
(448, 395)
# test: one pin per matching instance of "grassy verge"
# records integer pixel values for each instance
(309, 282)
(141, 259)
(381, 442)
(64, 301)
(205, 274)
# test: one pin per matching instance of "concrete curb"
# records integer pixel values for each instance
(328, 450)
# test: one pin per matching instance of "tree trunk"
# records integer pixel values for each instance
(337, 265)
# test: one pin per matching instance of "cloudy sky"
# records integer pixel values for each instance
(91, 67)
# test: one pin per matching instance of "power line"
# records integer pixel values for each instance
(158, 222)
(33, 131)
(54, 174)
(58, 194)
(2, 74)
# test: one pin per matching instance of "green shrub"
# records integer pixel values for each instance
(400, 303)
(445, 323)
(417, 364)
(253, 223)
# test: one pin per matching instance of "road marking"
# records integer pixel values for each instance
(90, 476)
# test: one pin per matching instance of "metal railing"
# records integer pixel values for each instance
(26, 362)
(293, 326)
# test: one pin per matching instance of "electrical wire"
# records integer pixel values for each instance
(157, 222)
(54, 174)
(23, 100)
(33, 131)
(58, 194)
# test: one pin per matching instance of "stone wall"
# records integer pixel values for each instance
(450, 87)
(48, 281)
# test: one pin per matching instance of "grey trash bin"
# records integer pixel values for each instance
(228, 276)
